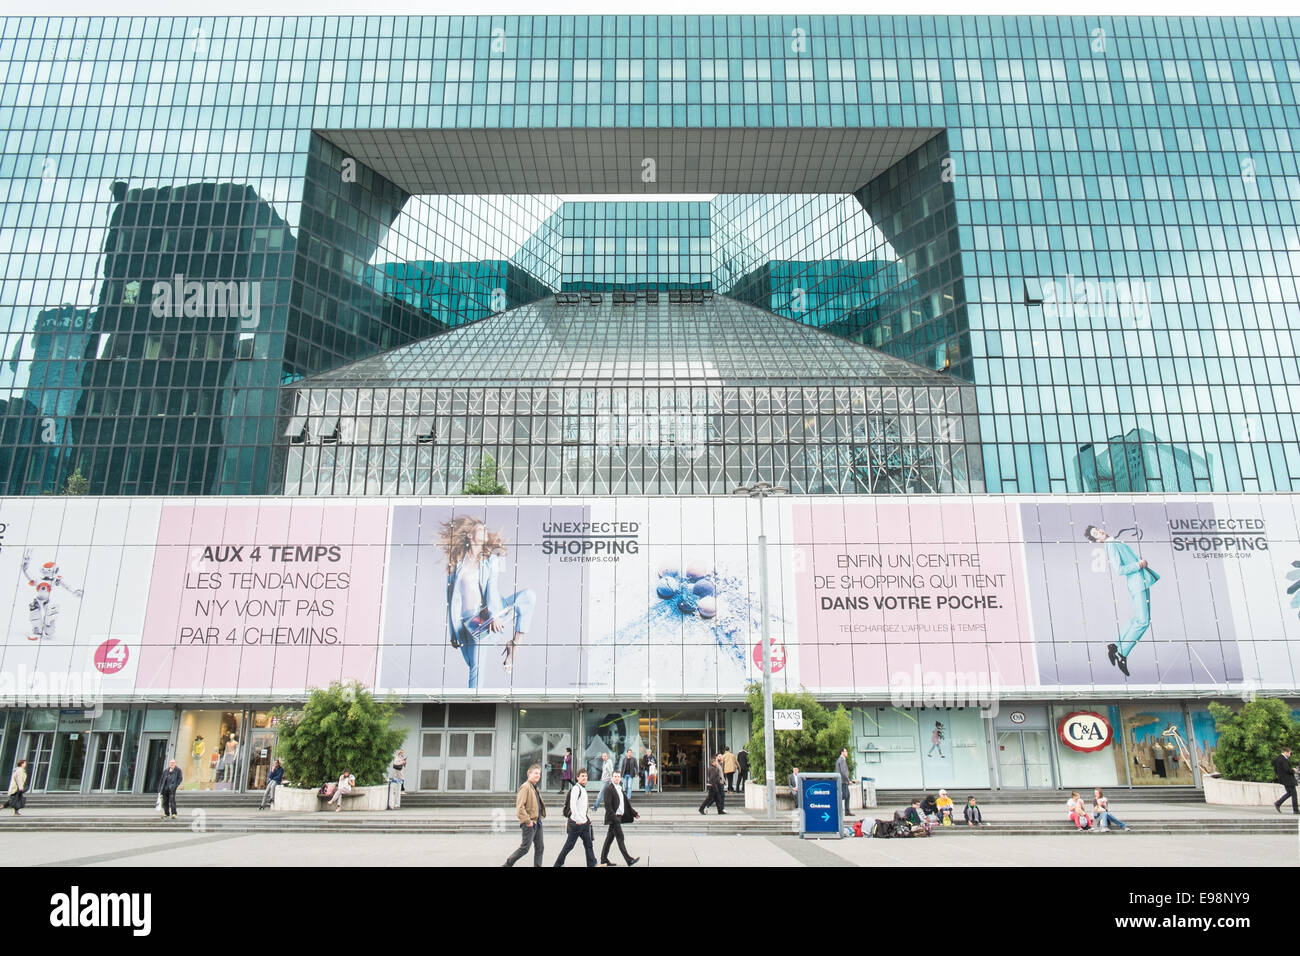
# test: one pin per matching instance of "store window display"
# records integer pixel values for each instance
(1158, 754)
(211, 738)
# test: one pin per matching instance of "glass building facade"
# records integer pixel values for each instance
(644, 255)
(1093, 221)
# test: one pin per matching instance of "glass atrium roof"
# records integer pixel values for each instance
(607, 339)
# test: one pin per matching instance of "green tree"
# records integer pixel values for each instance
(77, 483)
(1251, 737)
(484, 480)
(340, 728)
(813, 749)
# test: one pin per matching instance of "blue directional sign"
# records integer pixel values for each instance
(819, 805)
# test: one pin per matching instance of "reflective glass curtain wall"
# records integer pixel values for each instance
(1099, 168)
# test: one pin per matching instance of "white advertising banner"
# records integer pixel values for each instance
(649, 598)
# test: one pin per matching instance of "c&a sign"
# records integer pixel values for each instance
(1085, 731)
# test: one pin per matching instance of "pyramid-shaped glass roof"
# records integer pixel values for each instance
(719, 339)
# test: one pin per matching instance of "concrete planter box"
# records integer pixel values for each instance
(1241, 793)
(293, 800)
(756, 797)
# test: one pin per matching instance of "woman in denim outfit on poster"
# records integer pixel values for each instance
(475, 607)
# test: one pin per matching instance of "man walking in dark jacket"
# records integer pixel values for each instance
(1286, 777)
(742, 758)
(629, 770)
(167, 787)
(716, 791)
(618, 811)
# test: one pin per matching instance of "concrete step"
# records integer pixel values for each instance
(226, 800)
(734, 824)
(1171, 795)
(1180, 796)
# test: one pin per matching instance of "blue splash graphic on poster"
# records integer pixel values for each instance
(709, 611)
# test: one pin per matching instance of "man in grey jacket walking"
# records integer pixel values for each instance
(842, 768)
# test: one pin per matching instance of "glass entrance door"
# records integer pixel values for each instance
(151, 770)
(107, 761)
(1024, 759)
(36, 748)
(261, 743)
(653, 737)
(687, 740)
(67, 762)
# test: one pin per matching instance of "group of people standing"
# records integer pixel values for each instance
(530, 809)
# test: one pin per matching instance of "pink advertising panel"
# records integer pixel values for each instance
(892, 595)
(263, 596)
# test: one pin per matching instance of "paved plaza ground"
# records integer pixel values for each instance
(667, 836)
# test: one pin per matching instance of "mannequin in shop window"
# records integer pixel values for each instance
(232, 759)
(196, 753)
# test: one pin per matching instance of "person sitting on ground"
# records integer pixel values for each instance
(944, 804)
(973, 816)
(1078, 815)
(1101, 809)
(930, 808)
(916, 817)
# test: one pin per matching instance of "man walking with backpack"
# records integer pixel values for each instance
(579, 825)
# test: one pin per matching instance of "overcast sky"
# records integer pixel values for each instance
(868, 7)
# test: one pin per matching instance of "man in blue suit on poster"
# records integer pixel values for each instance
(1138, 578)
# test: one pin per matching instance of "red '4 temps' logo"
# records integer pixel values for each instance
(778, 655)
(111, 656)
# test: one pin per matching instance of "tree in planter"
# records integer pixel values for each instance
(1250, 738)
(813, 749)
(484, 480)
(340, 728)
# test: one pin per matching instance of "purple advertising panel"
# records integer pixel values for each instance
(1137, 592)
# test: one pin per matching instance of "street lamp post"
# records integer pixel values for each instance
(760, 491)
